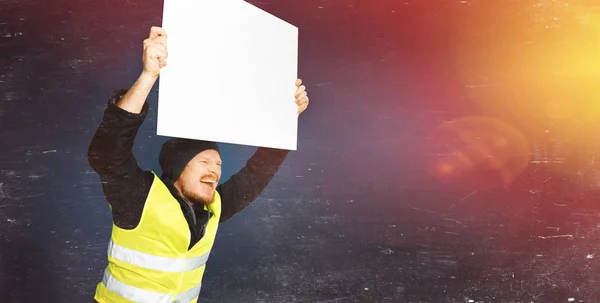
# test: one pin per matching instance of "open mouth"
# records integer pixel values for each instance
(209, 182)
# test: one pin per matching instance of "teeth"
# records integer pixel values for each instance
(207, 181)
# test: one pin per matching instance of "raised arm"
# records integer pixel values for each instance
(247, 184)
(110, 153)
(154, 58)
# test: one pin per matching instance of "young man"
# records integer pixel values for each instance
(164, 227)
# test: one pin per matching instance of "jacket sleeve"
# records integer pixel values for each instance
(247, 184)
(110, 154)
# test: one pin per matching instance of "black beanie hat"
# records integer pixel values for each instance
(176, 153)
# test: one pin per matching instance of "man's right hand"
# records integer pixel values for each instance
(154, 58)
(155, 52)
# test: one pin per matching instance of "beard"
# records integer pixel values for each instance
(196, 197)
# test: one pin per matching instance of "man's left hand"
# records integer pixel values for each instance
(301, 96)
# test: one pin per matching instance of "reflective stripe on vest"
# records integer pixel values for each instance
(135, 294)
(155, 262)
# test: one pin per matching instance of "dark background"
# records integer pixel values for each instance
(448, 154)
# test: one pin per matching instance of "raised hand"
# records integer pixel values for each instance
(155, 52)
(301, 96)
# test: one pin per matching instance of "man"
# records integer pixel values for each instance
(164, 227)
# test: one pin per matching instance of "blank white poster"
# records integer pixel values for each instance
(230, 75)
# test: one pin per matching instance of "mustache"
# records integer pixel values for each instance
(210, 176)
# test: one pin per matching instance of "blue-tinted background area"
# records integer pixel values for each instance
(448, 154)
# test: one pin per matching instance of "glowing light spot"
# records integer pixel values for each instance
(445, 168)
(477, 152)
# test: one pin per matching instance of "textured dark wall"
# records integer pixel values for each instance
(448, 154)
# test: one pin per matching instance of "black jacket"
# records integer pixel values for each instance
(126, 185)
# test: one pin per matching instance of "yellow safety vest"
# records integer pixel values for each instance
(151, 263)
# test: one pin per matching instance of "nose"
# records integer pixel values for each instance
(213, 168)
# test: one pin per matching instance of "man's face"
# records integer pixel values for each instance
(198, 181)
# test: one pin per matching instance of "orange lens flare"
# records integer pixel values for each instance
(476, 152)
